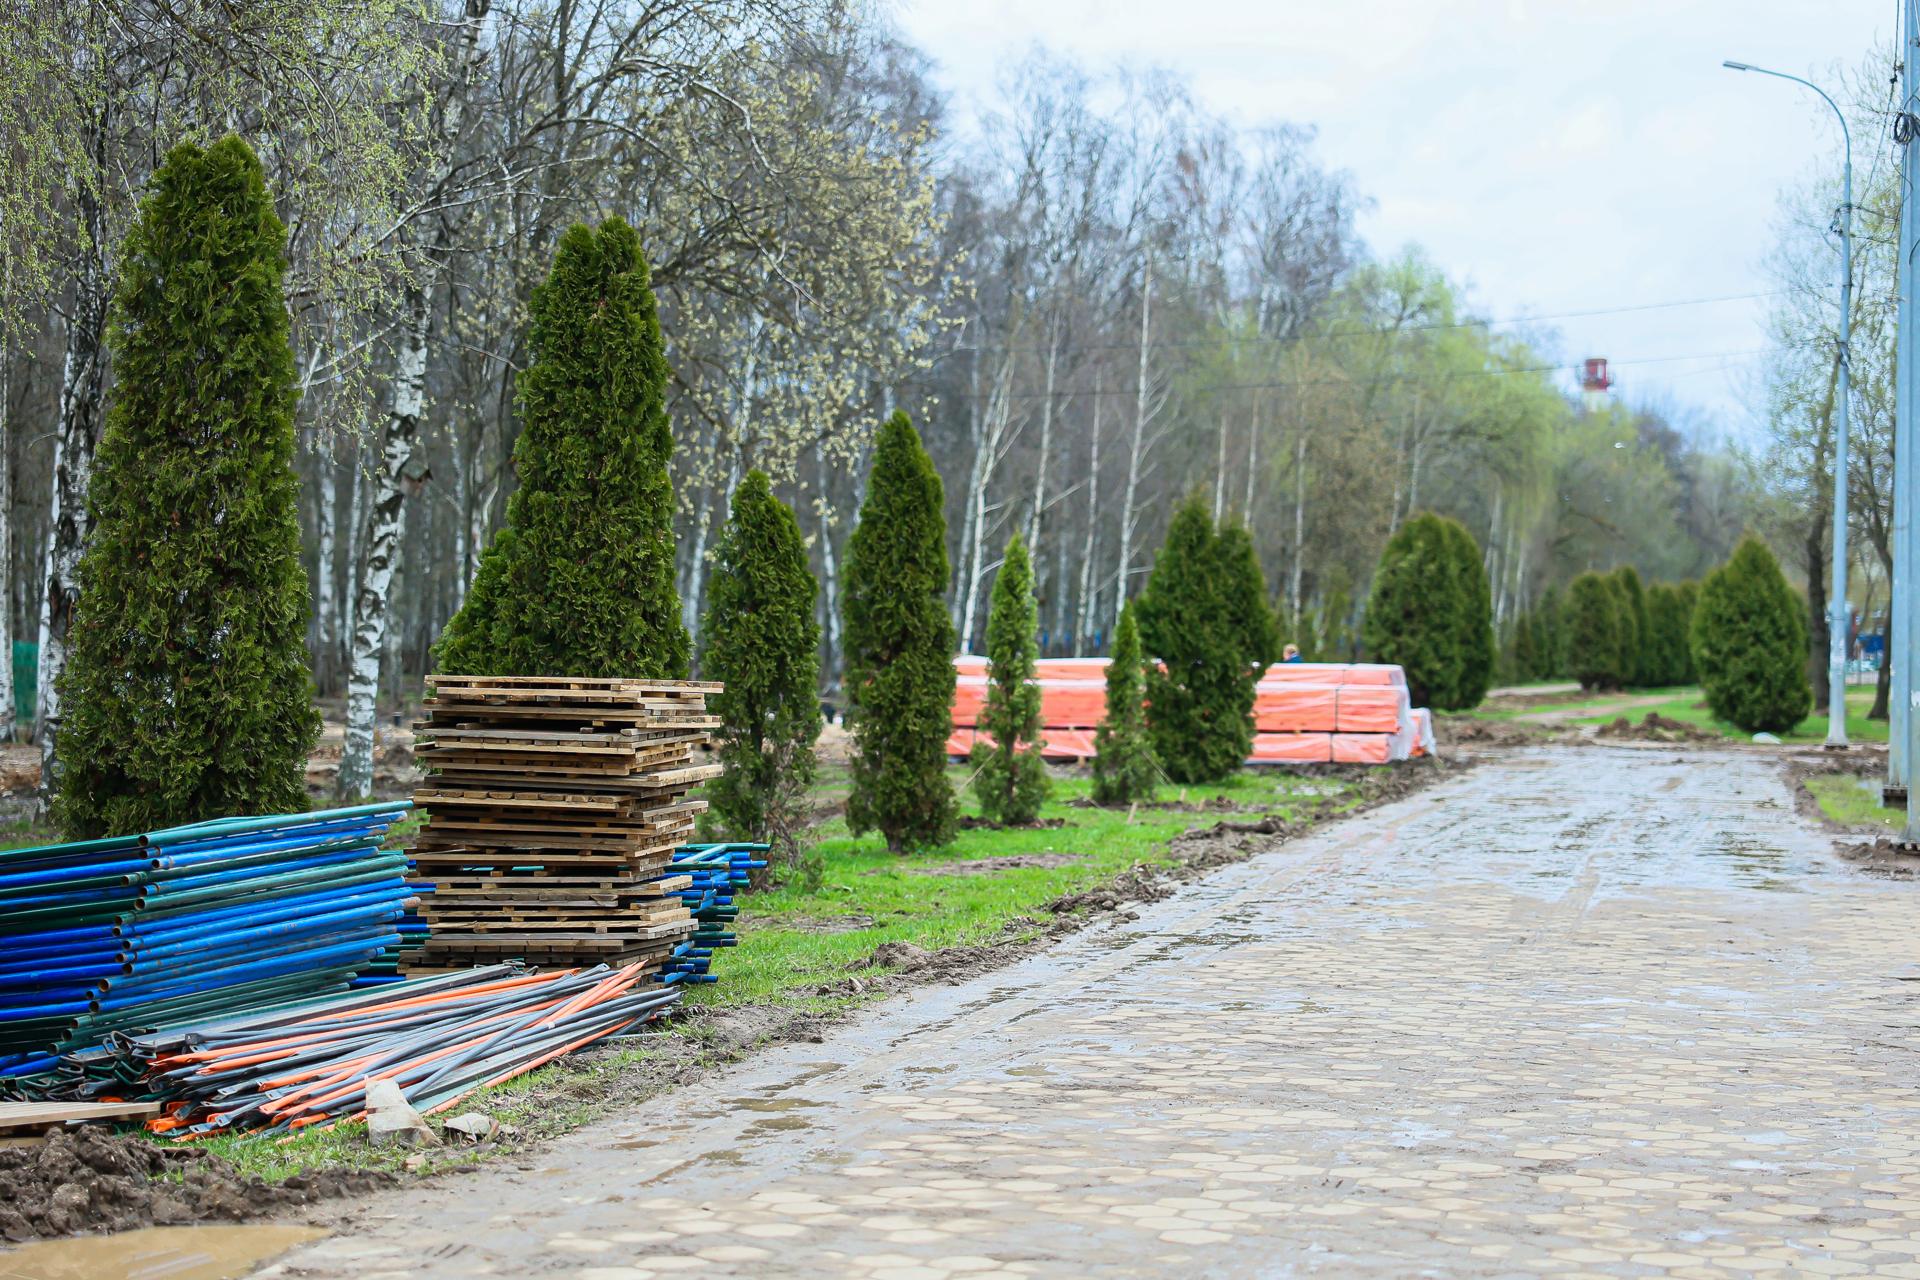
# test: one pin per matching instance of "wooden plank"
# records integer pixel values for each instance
(16, 1116)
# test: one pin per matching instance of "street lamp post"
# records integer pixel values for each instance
(1839, 614)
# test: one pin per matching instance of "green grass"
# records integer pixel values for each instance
(1689, 707)
(1599, 704)
(1854, 801)
(794, 942)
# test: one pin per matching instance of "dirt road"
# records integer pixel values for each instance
(1587, 1011)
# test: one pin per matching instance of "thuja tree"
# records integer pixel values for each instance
(1750, 643)
(1637, 659)
(761, 643)
(1666, 636)
(1479, 648)
(1200, 708)
(1009, 776)
(899, 644)
(1429, 613)
(579, 581)
(1245, 589)
(187, 690)
(1590, 627)
(1124, 769)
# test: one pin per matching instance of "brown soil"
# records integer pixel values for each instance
(1654, 727)
(1496, 733)
(985, 866)
(968, 822)
(94, 1180)
(88, 1179)
(1885, 856)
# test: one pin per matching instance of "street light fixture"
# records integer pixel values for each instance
(1839, 614)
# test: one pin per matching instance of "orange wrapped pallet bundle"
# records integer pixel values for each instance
(1304, 712)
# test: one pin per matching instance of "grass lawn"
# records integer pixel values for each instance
(793, 942)
(1854, 801)
(1685, 703)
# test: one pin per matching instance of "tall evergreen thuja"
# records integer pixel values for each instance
(1430, 612)
(899, 640)
(1590, 623)
(1637, 659)
(1245, 589)
(1479, 648)
(1750, 643)
(1009, 776)
(187, 692)
(1667, 636)
(1124, 770)
(1689, 596)
(1200, 709)
(579, 582)
(1549, 645)
(761, 641)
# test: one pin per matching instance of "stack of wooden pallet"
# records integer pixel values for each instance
(553, 809)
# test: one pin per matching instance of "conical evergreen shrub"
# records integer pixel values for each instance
(1548, 643)
(1750, 643)
(1667, 636)
(1009, 776)
(1480, 649)
(1200, 709)
(761, 642)
(1124, 770)
(1430, 611)
(1637, 659)
(1689, 596)
(899, 640)
(187, 690)
(1591, 623)
(579, 582)
(1245, 589)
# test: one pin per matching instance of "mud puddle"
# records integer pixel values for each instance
(175, 1253)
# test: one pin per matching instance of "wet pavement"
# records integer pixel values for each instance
(1582, 1011)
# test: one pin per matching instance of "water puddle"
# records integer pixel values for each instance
(770, 1104)
(156, 1253)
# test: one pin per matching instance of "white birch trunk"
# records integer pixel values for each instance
(829, 569)
(1087, 602)
(976, 414)
(691, 597)
(986, 460)
(1220, 475)
(325, 615)
(1046, 444)
(82, 391)
(385, 524)
(6, 558)
(1253, 459)
(1299, 522)
(1125, 566)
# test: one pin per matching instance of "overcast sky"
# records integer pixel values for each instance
(1556, 155)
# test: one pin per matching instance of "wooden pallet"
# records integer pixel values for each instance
(29, 1120)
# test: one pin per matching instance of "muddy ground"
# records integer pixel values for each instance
(97, 1181)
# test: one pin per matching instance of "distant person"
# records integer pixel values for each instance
(1290, 654)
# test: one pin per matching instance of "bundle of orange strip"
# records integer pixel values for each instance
(436, 1039)
(1304, 712)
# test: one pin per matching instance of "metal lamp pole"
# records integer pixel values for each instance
(1839, 614)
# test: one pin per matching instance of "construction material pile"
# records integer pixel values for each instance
(1304, 712)
(554, 809)
(436, 1039)
(714, 871)
(137, 931)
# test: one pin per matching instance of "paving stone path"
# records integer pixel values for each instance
(1581, 1012)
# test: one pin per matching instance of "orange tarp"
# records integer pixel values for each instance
(1372, 709)
(1292, 748)
(1362, 748)
(1055, 744)
(1296, 708)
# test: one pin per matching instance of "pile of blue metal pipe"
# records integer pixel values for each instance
(217, 917)
(716, 870)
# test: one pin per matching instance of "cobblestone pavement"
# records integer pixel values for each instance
(1587, 1011)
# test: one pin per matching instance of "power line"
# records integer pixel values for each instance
(1286, 384)
(1362, 331)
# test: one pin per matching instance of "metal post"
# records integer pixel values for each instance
(1839, 613)
(1907, 352)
